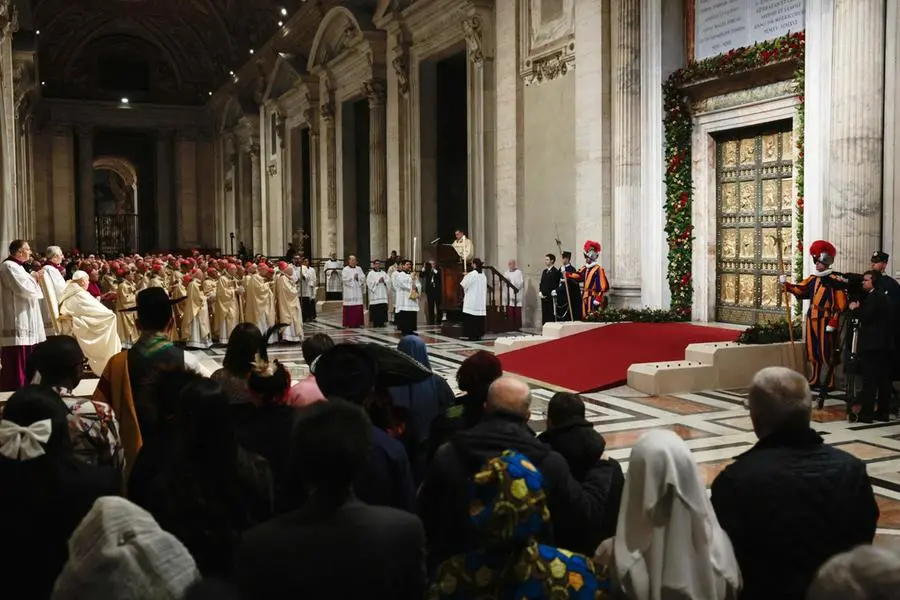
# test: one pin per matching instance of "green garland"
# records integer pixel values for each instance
(632, 315)
(678, 128)
(769, 333)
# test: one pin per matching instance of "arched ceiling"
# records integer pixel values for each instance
(161, 51)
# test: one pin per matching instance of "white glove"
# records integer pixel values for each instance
(782, 279)
(553, 293)
(541, 294)
(596, 302)
(830, 329)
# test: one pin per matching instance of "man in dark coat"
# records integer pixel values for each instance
(574, 437)
(875, 347)
(885, 282)
(791, 502)
(574, 295)
(550, 277)
(444, 500)
(431, 279)
(334, 546)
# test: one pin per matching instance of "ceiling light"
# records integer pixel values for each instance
(210, 93)
(284, 11)
(37, 32)
(124, 100)
(43, 83)
(251, 50)
(231, 72)
(281, 23)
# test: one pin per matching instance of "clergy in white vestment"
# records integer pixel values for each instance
(21, 322)
(307, 285)
(377, 282)
(513, 297)
(406, 309)
(463, 246)
(474, 286)
(195, 326)
(354, 281)
(287, 304)
(395, 266)
(87, 320)
(53, 278)
(332, 274)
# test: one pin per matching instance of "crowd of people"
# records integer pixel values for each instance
(370, 479)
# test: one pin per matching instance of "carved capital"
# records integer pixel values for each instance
(326, 109)
(549, 67)
(374, 92)
(401, 69)
(272, 169)
(84, 130)
(472, 30)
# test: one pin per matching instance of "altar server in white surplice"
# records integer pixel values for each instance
(406, 309)
(474, 286)
(53, 279)
(377, 282)
(332, 274)
(21, 323)
(86, 319)
(354, 280)
(307, 286)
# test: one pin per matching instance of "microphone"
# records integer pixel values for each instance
(434, 241)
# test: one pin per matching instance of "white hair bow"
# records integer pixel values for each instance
(24, 443)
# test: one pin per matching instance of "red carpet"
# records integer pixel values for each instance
(599, 359)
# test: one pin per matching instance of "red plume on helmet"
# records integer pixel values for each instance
(823, 252)
(592, 245)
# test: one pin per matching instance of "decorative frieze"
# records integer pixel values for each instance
(546, 40)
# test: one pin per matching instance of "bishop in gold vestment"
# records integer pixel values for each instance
(258, 305)
(195, 320)
(226, 315)
(287, 303)
(126, 298)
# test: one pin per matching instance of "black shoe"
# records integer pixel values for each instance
(883, 417)
(865, 419)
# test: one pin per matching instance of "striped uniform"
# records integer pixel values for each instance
(595, 286)
(827, 300)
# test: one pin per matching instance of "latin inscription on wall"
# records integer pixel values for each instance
(721, 25)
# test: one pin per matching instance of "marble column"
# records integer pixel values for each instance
(855, 141)
(626, 151)
(165, 202)
(328, 185)
(87, 230)
(311, 228)
(377, 171)
(510, 113)
(654, 291)
(256, 199)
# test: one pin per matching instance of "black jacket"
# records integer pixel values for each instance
(444, 496)
(582, 448)
(320, 552)
(549, 281)
(876, 331)
(789, 504)
(431, 281)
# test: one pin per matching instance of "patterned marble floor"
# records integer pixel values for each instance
(714, 424)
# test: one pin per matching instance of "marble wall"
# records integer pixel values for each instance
(547, 205)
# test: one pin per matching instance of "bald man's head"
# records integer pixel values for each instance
(509, 395)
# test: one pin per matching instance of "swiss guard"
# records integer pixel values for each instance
(594, 277)
(827, 300)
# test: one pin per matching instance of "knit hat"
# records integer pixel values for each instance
(119, 552)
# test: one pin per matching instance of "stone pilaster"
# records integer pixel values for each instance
(377, 171)
(328, 185)
(256, 198)
(184, 217)
(87, 229)
(855, 142)
(654, 292)
(508, 145)
(165, 202)
(625, 103)
(592, 177)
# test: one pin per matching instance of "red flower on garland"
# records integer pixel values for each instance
(800, 202)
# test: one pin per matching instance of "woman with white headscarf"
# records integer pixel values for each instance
(86, 319)
(668, 544)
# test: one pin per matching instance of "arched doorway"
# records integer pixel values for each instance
(116, 202)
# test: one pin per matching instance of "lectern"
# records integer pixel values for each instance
(451, 268)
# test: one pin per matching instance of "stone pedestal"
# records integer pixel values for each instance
(855, 141)
(87, 229)
(626, 151)
(377, 172)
